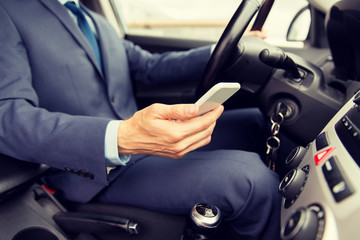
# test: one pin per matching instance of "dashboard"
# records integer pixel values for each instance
(322, 188)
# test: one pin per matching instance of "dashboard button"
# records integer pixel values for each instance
(321, 141)
(321, 156)
(339, 187)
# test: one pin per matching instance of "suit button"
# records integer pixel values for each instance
(82, 173)
(90, 175)
(112, 99)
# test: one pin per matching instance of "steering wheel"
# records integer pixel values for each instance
(228, 42)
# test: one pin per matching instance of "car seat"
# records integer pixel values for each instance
(29, 210)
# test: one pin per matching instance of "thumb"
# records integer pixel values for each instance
(181, 111)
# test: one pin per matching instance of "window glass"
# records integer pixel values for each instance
(199, 19)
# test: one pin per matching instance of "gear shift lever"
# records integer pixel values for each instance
(202, 222)
(276, 58)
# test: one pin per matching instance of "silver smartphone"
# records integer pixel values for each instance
(216, 96)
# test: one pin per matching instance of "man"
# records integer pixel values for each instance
(60, 102)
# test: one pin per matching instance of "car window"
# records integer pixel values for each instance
(205, 19)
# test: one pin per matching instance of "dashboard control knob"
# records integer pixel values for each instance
(303, 224)
(295, 157)
(292, 184)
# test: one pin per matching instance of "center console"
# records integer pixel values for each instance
(321, 191)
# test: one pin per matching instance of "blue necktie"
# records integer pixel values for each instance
(85, 28)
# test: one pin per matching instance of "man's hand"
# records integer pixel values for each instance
(167, 130)
(261, 34)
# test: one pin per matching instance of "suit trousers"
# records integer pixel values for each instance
(227, 173)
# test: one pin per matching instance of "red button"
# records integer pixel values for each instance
(322, 155)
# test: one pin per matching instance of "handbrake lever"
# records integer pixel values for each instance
(81, 222)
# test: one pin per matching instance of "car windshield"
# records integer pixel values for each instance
(202, 19)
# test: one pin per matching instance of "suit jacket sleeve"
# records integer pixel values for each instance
(167, 67)
(34, 134)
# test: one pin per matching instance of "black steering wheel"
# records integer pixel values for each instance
(227, 43)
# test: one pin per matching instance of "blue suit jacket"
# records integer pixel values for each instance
(55, 103)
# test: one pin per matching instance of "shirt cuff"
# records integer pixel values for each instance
(112, 157)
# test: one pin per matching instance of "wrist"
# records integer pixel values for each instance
(123, 138)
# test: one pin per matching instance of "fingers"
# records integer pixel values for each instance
(193, 142)
(180, 111)
(177, 112)
(153, 130)
(200, 123)
(179, 149)
(187, 136)
(189, 123)
(261, 34)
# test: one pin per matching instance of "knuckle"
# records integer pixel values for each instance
(177, 111)
(175, 137)
(206, 125)
(153, 108)
(177, 149)
(209, 131)
(206, 141)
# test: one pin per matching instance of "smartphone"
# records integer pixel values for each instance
(216, 96)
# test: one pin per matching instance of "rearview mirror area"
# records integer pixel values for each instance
(300, 26)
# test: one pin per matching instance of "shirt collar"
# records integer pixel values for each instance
(64, 1)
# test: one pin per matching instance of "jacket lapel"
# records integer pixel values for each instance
(60, 12)
(100, 41)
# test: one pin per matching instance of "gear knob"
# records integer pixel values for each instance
(202, 222)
